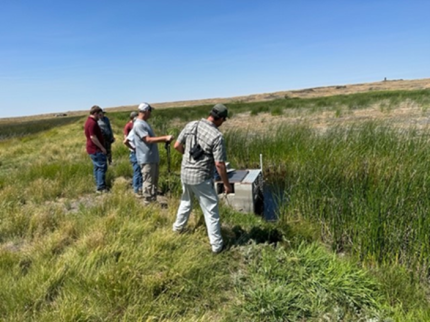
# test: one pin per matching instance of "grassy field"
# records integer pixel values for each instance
(351, 242)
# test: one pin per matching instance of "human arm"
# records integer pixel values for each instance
(180, 141)
(97, 143)
(157, 139)
(179, 147)
(129, 140)
(220, 157)
(145, 133)
(128, 145)
(222, 171)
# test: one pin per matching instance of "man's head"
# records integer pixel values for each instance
(133, 115)
(96, 112)
(219, 111)
(218, 114)
(145, 110)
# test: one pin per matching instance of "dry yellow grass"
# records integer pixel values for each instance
(406, 115)
(388, 85)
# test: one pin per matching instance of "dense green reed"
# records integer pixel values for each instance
(367, 185)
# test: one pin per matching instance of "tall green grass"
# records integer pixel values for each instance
(113, 261)
(366, 185)
(67, 254)
(306, 283)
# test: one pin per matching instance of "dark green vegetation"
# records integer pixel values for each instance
(21, 129)
(351, 243)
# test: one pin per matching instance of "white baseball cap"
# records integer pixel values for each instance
(143, 107)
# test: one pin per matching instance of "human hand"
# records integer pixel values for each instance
(169, 138)
(228, 189)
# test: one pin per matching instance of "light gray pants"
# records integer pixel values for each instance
(208, 200)
(150, 181)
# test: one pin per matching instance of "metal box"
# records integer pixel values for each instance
(247, 193)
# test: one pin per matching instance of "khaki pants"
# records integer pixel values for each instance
(150, 181)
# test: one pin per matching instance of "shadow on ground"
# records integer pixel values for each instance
(237, 236)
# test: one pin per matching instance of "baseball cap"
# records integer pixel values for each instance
(143, 107)
(133, 115)
(220, 111)
(95, 109)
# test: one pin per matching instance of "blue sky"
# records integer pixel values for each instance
(59, 56)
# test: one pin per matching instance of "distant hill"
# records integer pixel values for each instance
(385, 85)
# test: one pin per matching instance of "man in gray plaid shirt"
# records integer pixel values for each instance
(198, 169)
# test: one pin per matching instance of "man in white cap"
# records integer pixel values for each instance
(147, 153)
(198, 169)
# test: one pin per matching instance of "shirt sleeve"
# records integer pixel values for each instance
(92, 129)
(188, 129)
(140, 131)
(130, 138)
(182, 137)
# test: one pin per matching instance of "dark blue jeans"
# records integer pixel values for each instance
(137, 174)
(100, 167)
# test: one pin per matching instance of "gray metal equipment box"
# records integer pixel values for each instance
(247, 193)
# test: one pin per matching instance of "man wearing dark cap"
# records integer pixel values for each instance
(197, 172)
(129, 125)
(108, 136)
(147, 153)
(95, 147)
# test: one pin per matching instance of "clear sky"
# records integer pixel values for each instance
(59, 55)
